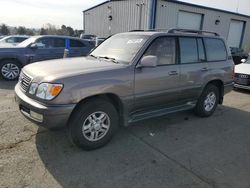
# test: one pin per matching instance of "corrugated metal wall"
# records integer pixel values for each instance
(167, 17)
(125, 16)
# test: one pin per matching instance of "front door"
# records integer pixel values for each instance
(158, 87)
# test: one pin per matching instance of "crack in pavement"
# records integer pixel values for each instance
(13, 145)
(203, 179)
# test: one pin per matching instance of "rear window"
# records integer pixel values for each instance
(216, 50)
(76, 44)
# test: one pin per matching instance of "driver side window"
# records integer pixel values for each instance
(164, 49)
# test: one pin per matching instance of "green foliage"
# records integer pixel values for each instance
(4, 30)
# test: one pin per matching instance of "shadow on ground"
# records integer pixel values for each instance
(178, 150)
(9, 85)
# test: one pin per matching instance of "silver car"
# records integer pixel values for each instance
(130, 77)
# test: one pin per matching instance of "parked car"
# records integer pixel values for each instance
(13, 39)
(242, 75)
(39, 48)
(88, 37)
(2, 36)
(129, 77)
(238, 54)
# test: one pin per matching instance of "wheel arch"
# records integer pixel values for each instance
(110, 97)
(220, 85)
(13, 59)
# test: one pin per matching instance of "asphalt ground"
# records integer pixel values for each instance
(177, 150)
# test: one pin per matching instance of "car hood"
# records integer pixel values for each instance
(242, 68)
(61, 68)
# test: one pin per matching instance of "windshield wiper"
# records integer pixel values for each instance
(109, 58)
(91, 55)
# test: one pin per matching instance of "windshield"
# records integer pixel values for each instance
(27, 42)
(120, 47)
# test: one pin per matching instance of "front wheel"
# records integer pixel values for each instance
(208, 101)
(9, 70)
(93, 124)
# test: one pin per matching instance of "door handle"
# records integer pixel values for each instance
(204, 69)
(172, 73)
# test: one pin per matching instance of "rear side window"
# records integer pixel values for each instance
(188, 50)
(59, 42)
(216, 50)
(20, 39)
(76, 44)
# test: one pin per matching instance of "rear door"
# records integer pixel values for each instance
(158, 87)
(193, 66)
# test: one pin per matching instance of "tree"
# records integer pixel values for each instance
(70, 31)
(21, 30)
(43, 31)
(4, 30)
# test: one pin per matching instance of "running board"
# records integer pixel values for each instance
(161, 112)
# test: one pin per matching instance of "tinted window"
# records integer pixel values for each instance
(216, 50)
(201, 50)
(20, 39)
(76, 44)
(59, 43)
(188, 50)
(44, 43)
(164, 49)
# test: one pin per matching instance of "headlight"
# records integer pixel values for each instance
(33, 88)
(48, 91)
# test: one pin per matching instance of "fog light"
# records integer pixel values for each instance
(36, 116)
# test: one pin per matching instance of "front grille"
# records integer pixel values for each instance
(24, 81)
(242, 79)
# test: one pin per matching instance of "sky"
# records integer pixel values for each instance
(36, 13)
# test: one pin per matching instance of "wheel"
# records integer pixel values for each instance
(9, 70)
(93, 124)
(208, 101)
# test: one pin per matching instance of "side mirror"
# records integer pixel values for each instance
(148, 61)
(243, 60)
(33, 46)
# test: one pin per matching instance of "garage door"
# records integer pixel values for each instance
(235, 33)
(189, 20)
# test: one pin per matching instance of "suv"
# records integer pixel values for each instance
(39, 48)
(130, 77)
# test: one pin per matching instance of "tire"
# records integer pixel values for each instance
(208, 101)
(84, 117)
(9, 70)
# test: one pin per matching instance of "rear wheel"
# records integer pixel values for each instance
(208, 101)
(93, 124)
(9, 70)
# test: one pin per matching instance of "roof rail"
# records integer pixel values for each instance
(192, 31)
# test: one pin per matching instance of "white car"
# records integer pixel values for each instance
(242, 75)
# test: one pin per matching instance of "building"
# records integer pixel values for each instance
(116, 16)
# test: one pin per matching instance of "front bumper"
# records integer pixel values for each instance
(241, 86)
(48, 116)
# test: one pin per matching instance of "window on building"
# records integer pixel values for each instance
(189, 20)
(216, 50)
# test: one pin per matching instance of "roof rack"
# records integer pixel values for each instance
(179, 31)
(192, 31)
